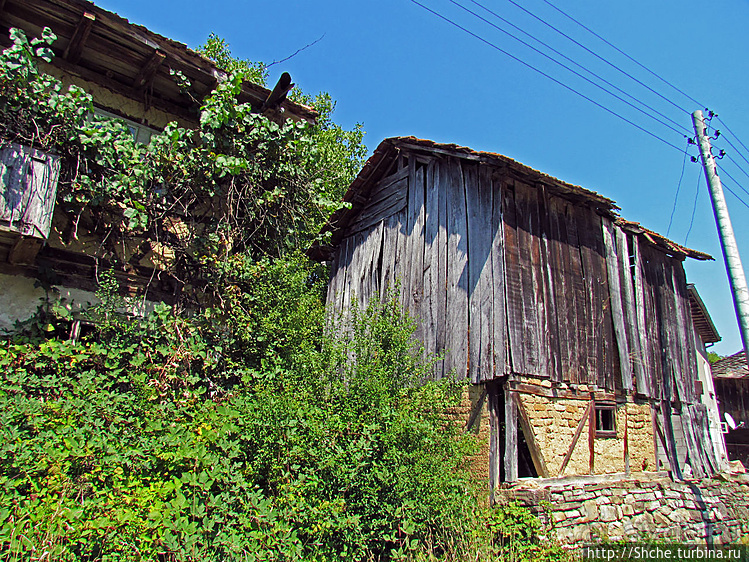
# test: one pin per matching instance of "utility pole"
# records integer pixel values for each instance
(725, 232)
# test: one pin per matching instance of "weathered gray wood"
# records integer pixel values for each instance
(617, 307)
(480, 293)
(577, 290)
(439, 296)
(433, 291)
(592, 326)
(628, 296)
(514, 284)
(511, 437)
(499, 316)
(415, 262)
(457, 273)
(391, 233)
(373, 215)
(645, 371)
(496, 415)
(28, 189)
(591, 436)
(549, 225)
(530, 439)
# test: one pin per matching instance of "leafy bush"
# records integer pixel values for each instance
(129, 448)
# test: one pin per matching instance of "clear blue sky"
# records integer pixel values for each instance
(400, 70)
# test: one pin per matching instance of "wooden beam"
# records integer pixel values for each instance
(575, 439)
(495, 444)
(2, 6)
(24, 251)
(511, 438)
(146, 74)
(74, 49)
(530, 438)
(592, 434)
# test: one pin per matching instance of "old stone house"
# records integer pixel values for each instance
(573, 326)
(127, 69)
(731, 379)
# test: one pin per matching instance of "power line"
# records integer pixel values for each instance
(570, 60)
(734, 135)
(737, 165)
(736, 149)
(678, 187)
(542, 73)
(626, 55)
(724, 172)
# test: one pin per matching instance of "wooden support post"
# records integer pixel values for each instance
(147, 73)
(511, 437)
(73, 51)
(592, 434)
(495, 447)
(626, 441)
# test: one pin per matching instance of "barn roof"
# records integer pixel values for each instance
(703, 323)
(384, 156)
(108, 50)
(732, 367)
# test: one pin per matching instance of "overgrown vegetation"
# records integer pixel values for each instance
(243, 430)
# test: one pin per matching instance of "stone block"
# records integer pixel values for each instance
(590, 508)
(608, 513)
(627, 509)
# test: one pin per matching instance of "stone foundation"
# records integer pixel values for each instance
(647, 506)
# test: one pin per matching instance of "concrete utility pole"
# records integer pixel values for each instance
(725, 231)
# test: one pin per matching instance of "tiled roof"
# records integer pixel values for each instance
(732, 367)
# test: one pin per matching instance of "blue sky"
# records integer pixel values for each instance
(401, 70)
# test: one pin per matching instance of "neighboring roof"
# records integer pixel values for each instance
(104, 48)
(385, 154)
(701, 318)
(733, 367)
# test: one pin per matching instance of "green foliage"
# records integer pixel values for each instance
(248, 430)
(713, 357)
(240, 182)
(130, 448)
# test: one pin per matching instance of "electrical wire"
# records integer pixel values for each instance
(694, 207)
(725, 173)
(736, 149)
(626, 55)
(737, 165)
(734, 135)
(678, 187)
(571, 61)
(542, 73)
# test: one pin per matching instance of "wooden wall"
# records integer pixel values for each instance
(506, 276)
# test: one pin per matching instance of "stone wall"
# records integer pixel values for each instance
(648, 506)
(472, 416)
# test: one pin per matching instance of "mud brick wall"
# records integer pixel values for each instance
(474, 408)
(554, 422)
(707, 511)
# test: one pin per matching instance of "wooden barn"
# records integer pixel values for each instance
(572, 325)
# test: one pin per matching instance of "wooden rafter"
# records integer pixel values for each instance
(575, 438)
(530, 438)
(146, 74)
(75, 47)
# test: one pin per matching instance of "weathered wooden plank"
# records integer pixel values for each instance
(432, 288)
(647, 369)
(533, 311)
(548, 223)
(565, 300)
(499, 316)
(480, 271)
(375, 214)
(513, 283)
(579, 293)
(496, 416)
(415, 262)
(391, 232)
(511, 437)
(387, 187)
(626, 269)
(439, 292)
(618, 314)
(530, 438)
(592, 436)
(457, 273)
(29, 177)
(593, 325)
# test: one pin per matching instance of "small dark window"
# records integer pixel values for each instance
(605, 420)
